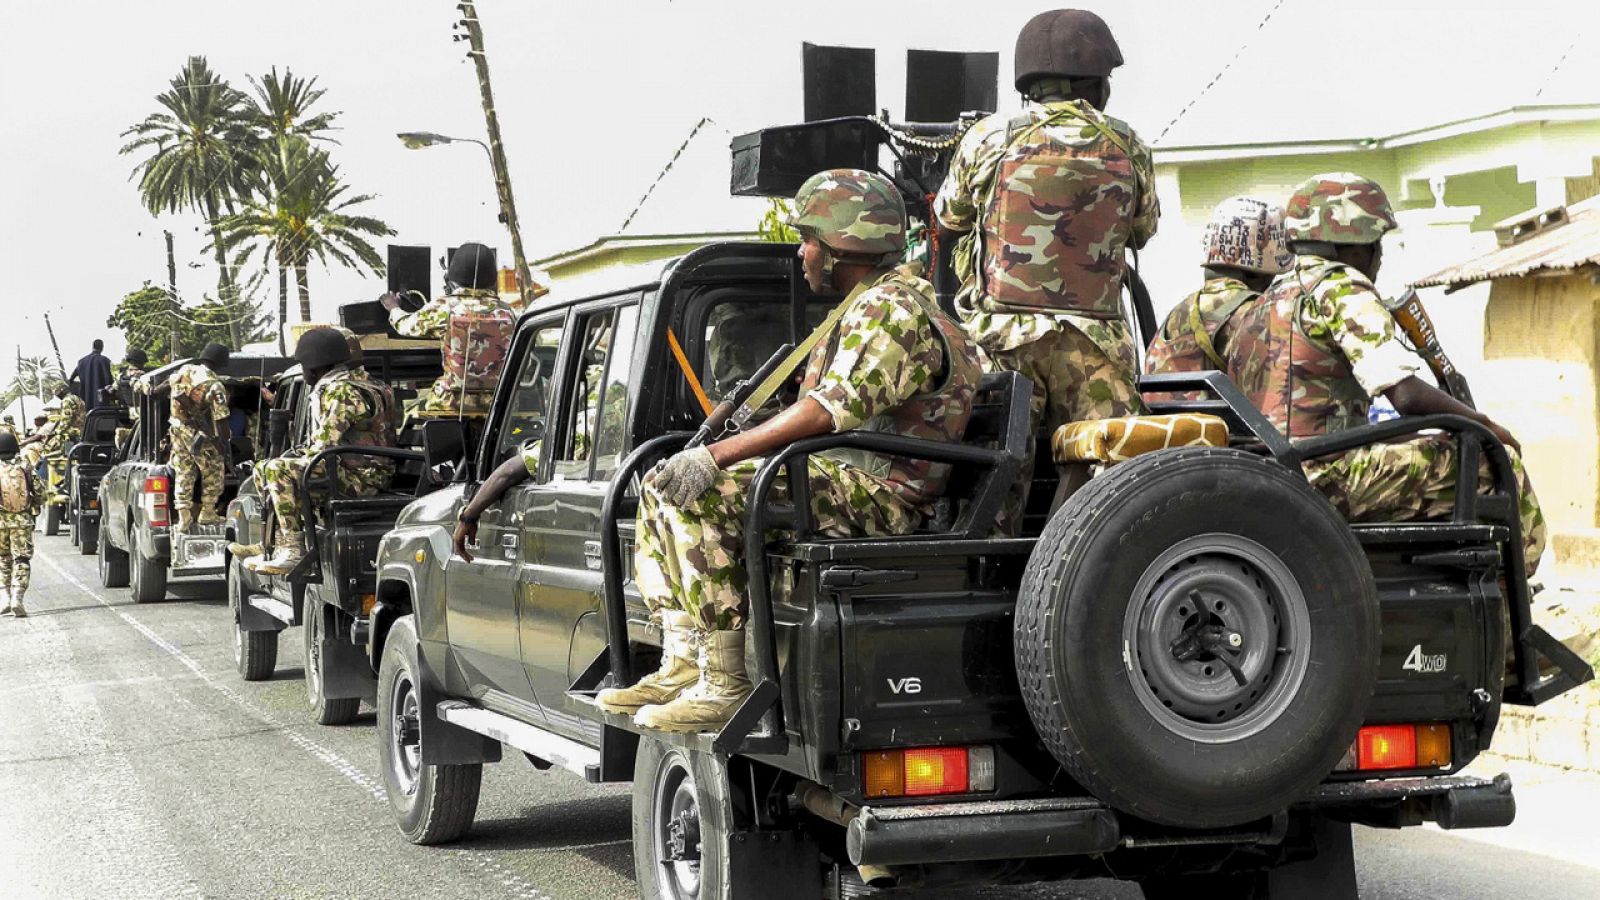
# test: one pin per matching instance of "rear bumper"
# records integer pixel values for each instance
(1021, 829)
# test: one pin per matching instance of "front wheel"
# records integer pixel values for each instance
(431, 804)
(149, 577)
(113, 565)
(255, 653)
(326, 710)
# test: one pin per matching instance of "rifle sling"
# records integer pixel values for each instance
(785, 370)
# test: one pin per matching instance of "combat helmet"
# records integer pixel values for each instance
(321, 348)
(1339, 208)
(853, 213)
(1065, 43)
(472, 267)
(1246, 233)
(9, 447)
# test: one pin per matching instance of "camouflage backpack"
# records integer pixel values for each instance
(14, 495)
(1059, 214)
(475, 347)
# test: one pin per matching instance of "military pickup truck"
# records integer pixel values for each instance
(1191, 673)
(137, 543)
(334, 590)
(89, 460)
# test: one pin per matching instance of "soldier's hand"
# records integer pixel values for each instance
(683, 477)
(466, 532)
(1505, 436)
(390, 301)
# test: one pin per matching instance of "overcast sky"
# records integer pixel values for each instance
(593, 99)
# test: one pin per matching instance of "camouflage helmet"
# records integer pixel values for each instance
(852, 212)
(1246, 233)
(1339, 208)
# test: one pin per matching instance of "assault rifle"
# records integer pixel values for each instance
(1413, 319)
(741, 404)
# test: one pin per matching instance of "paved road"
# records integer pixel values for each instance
(134, 763)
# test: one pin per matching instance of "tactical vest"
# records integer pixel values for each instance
(937, 414)
(1056, 221)
(189, 406)
(14, 495)
(475, 348)
(376, 430)
(1304, 388)
(1188, 341)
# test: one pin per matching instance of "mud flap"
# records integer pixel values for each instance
(775, 865)
(1331, 875)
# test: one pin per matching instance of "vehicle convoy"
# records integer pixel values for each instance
(333, 590)
(138, 545)
(89, 460)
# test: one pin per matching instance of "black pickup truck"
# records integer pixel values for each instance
(332, 592)
(137, 542)
(1191, 673)
(89, 460)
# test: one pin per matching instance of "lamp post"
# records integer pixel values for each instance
(417, 140)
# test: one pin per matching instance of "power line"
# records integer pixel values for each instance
(1245, 45)
(704, 121)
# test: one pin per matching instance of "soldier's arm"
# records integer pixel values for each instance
(1147, 206)
(342, 407)
(428, 322)
(514, 471)
(955, 207)
(1414, 397)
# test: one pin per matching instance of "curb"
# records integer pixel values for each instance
(1564, 732)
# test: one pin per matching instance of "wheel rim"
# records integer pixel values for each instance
(675, 830)
(1218, 638)
(313, 658)
(405, 734)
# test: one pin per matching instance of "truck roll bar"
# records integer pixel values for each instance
(331, 480)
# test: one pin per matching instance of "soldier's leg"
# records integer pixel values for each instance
(280, 477)
(21, 566)
(184, 474)
(209, 461)
(1025, 361)
(5, 571)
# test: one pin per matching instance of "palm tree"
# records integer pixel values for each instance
(199, 155)
(281, 107)
(36, 376)
(303, 214)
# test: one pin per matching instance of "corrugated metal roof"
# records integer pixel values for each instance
(1562, 248)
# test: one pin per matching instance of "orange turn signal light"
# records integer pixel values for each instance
(927, 771)
(1381, 748)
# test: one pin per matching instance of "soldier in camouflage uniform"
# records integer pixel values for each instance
(1046, 202)
(474, 326)
(893, 363)
(65, 425)
(347, 408)
(1244, 248)
(19, 506)
(199, 432)
(1314, 350)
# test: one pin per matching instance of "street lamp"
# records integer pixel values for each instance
(417, 140)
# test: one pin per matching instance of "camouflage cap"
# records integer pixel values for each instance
(1339, 208)
(852, 211)
(1248, 234)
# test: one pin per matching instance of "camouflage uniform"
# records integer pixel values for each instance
(66, 425)
(199, 399)
(348, 408)
(1041, 262)
(475, 328)
(16, 541)
(895, 364)
(1311, 354)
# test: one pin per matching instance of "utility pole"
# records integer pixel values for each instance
(172, 268)
(497, 153)
(60, 363)
(22, 396)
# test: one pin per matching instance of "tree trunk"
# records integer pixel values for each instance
(227, 292)
(304, 286)
(283, 309)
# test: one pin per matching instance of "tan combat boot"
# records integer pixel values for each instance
(282, 561)
(243, 552)
(708, 705)
(679, 639)
(5, 598)
(209, 516)
(185, 520)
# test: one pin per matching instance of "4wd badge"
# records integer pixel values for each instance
(1417, 661)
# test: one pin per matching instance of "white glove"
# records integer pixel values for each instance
(686, 475)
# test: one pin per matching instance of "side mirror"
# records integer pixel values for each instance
(444, 444)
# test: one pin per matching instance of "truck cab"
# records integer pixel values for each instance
(138, 545)
(1134, 688)
(330, 595)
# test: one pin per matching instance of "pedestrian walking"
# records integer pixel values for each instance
(19, 506)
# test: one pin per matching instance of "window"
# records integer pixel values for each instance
(742, 334)
(530, 402)
(598, 396)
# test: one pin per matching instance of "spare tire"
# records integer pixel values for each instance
(1197, 637)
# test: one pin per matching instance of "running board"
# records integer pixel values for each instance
(273, 607)
(530, 739)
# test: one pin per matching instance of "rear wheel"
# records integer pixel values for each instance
(255, 653)
(431, 804)
(113, 565)
(1197, 637)
(52, 520)
(325, 710)
(149, 580)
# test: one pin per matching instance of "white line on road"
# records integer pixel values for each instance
(484, 864)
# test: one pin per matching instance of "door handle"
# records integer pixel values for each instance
(508, 541)
(591, 554)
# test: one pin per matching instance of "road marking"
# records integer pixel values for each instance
(474, 859)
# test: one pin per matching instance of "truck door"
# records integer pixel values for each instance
(559, 593)
(482, 604)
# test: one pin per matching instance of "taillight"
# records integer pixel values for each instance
(155, 500)
(1380, 748)
(927, 771)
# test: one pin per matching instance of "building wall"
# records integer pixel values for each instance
(1540, 352)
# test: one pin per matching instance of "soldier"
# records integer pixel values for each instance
(347, 408)
(1244, 249)
(66, 422)
(127, 374)
(19, 506)
(474, 326)
(1045, 203)
(198, 435)
(8, 424)
(1315, 350)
